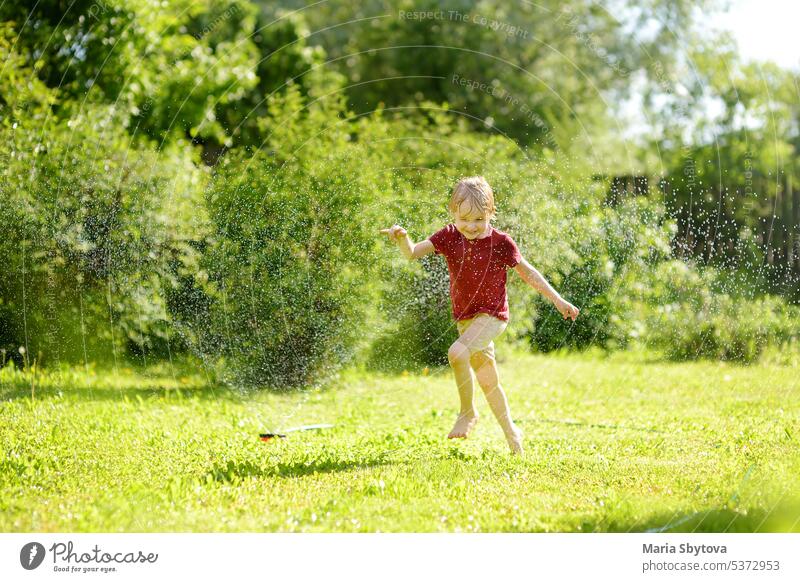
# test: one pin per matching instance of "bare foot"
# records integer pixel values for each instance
(465, 422)
(514, 438)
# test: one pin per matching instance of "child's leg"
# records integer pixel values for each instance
(485, 367)
(458, 354)
(475, 334)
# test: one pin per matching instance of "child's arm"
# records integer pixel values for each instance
(535, 279)
(410, 250)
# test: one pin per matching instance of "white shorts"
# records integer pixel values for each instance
(478, 333)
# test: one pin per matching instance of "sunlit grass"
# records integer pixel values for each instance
(625, 443)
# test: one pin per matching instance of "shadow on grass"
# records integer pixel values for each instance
(233, 472)
(586, 424)
(120, 393)
(783, 518)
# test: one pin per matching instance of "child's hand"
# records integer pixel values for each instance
(568, 310)
(395, 233)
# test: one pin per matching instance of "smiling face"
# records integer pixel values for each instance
(471, 221)
(472, 207)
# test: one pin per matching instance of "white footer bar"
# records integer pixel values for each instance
(389, 557)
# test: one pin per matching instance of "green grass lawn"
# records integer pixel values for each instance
(620, 443)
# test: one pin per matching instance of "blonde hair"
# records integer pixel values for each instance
(477, 191)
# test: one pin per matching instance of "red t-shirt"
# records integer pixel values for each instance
(477, 270)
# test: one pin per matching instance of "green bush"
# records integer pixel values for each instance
(287, 271)
(678, 311)
(600, 246)
(91, 233)
(423, 329)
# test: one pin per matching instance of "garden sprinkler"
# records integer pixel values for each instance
(268, 436)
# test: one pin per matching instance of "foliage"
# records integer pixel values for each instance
(90, 242)
(290, 253)
(325, 123)
(164, 66)
(419, 302)
(537, 72)
(679, 311)
(731, 173)
(599, 247)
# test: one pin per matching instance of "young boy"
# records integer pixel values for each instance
(478, 256)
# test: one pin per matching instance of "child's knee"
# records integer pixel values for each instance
(458, 353)
(479, 360)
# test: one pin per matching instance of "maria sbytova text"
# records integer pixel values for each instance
(64, 553)
(683, 549)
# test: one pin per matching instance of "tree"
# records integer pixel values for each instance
(542, 73)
